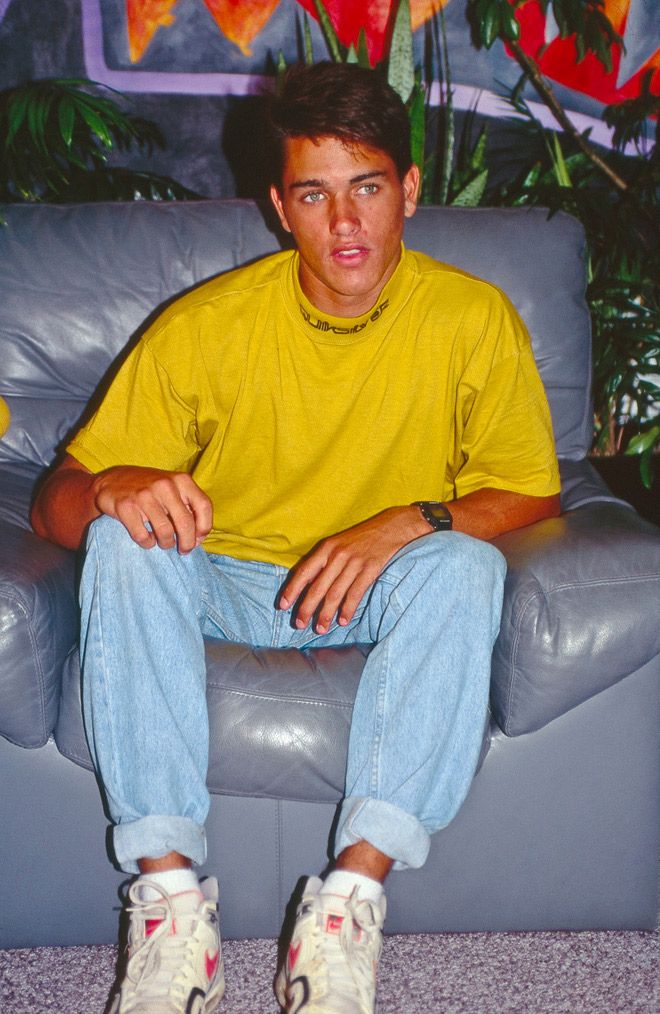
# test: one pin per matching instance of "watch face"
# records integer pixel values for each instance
(436, 513)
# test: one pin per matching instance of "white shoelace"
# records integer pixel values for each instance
(349, 967)
(157, 967)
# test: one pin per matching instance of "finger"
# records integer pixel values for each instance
(300, 577)
(199, 506)
(133, 520)
(354, 597)
(352, 594)
(325, 600)
(172, 521)
(184, 529)
(159, 521)
(314, 594)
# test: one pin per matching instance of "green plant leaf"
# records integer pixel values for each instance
(96, 125)
(644, 441)
(484, 19)
(490, 26)
(335, 47)
(645, 444)
(16, 113)
(66, 117)
(477, 158)
(646, 468)
(471, 194)
(509, 27)
(307, 42)
(401, 64)
(363, 50)
(559, 164)
(417, 117)
(280, 72)
(352, 54)
(449, 119)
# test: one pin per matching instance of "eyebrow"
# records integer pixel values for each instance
(303, 184)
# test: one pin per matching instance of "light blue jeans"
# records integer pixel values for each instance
(419, 714)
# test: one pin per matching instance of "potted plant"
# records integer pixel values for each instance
(57, 139)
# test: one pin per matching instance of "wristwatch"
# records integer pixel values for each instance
(436, 513)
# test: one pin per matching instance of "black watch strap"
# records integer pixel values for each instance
(436, 513)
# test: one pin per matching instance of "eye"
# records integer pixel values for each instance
(313, 197)
(368, 189)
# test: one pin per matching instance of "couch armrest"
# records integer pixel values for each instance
(39, 624)
(580, 612)
(581, 485)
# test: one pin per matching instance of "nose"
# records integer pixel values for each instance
(345, 220)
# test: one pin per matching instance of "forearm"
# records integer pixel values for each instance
(64, 507)
(487, 513)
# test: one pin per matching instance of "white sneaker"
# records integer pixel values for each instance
(175, 959)
(333, 955)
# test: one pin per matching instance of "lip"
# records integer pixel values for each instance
(349, 254)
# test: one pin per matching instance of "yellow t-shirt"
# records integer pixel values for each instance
(298, 425)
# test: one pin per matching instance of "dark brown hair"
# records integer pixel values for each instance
(339, 100)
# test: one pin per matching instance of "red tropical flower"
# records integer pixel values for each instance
(559, 60)
(348, 17)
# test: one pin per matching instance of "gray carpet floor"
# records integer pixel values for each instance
(477, 973)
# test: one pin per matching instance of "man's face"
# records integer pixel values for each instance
(345, 207)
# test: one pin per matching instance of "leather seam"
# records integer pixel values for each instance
(514, 653)
(281, 699)
(280, 872)
(608, 582)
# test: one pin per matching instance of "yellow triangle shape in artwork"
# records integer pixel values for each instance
(241, 20)
(144, 18)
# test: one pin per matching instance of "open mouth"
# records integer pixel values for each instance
(348, 253)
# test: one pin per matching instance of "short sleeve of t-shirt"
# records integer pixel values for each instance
(142, 420)
(505, 437)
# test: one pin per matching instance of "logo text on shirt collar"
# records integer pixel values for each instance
(324, 325)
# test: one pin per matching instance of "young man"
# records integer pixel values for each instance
(339, 429)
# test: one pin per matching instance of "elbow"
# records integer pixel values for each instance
(543, 508)
(552, 506)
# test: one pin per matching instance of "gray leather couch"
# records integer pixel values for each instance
(559, 829)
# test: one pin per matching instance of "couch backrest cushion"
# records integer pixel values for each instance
(78, 282)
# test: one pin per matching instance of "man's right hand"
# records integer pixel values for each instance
(177, 512)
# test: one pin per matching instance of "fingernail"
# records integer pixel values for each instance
(300, 624)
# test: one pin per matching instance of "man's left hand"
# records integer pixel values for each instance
(333, 579)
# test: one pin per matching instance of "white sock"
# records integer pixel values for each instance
(171, 881)
(342, 882)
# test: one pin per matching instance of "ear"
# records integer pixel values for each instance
(279, 207)
(411, 182)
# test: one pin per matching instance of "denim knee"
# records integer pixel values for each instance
(443, 554)
(109, 534)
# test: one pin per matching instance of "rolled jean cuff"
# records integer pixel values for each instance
(155, 836)
(388, 828)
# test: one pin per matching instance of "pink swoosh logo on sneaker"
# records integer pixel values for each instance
(293, 954)
(151, 925)
(211, 962)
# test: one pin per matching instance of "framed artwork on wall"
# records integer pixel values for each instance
(231, 47)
